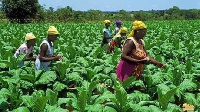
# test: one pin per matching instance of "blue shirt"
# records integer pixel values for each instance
(108, 33)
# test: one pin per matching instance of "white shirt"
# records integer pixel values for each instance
(39, 65)
(23, 49)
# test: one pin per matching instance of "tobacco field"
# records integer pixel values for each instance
(85, 80)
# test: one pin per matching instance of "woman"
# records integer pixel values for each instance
(106, 33)
(134, 55)
(117, 40)
(118, 26)
(46, 52)
(26, 48)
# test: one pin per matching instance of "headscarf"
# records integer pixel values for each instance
(29, 36)
(118, 22)
(52, 31)
(122, 30)
(106, 21)
(136, 26)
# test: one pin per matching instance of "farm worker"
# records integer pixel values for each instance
(106, 33)
(26, 48)
(118, 26)
(117, 40)
(46, 51)
(134, 55)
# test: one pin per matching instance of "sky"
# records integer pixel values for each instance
(116, 5)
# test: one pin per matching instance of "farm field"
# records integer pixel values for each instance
(85, 80)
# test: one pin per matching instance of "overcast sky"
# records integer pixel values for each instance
(115, 5)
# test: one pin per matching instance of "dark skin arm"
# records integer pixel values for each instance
(30, 58)
(43, 58)
(127, 49)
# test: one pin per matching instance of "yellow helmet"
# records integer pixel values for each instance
(29, 36)
(106, 21)
(52, 31)
(138, 25)
(123, 30)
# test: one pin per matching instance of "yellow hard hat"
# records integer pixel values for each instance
(123, 30)
(29, 36)
(106, 21)
(138, 25)
(52, 31)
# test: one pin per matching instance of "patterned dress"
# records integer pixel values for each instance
(126, 69)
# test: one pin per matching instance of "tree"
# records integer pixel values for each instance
(140, 15)
(40, 15)
(174, 13)
(64, 14)
(191, 14)
(20, 10)
(94, 15)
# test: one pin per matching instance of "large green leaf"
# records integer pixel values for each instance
(74, 77)
(47, 77)
(52, 96)
(3, 104)
(39, 104)
(4, 93)
(188, 66)
(61, 68)
(27, 77)
(164, 98)
(121, 96)
(105, 97)
(109, 109)
(83, 61)
(137, 97)
(173, 108)
(38, 93)
(186, 85)
(54, 108)
(127, 83)
(28, 100)
(95, 108)
(90, 74)
(21, 109)
(82, 100)
(26, 84)
(67, 101)
(155, 108)
(177, 77)
(107, 70)
(91, 87)
(59, 86)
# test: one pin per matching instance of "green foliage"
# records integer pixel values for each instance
(51, 96)
(20, 10)
(85, 80)
(46, 78)
(82, 98)
(164, 98)
(39, 104)
(21, 109)
(128, 82)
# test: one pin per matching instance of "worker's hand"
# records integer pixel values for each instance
(58, 58)
(161, 65)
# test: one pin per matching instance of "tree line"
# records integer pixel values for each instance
(23, 11)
